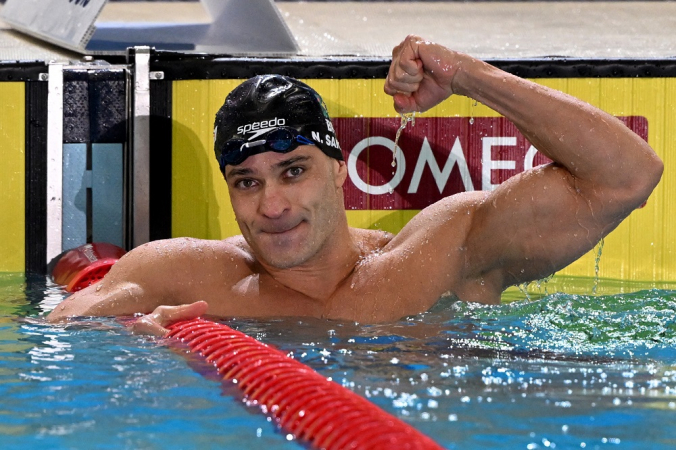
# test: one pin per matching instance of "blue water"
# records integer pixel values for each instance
(563, 371)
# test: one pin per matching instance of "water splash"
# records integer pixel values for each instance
(542, 282)
(405, 119)
(597, 261)
(639, 324)
(523, 288)
(539, 285)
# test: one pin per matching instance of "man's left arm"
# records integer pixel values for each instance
(541, 220)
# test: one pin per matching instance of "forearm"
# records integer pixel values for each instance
(594, 146)
(127, 300)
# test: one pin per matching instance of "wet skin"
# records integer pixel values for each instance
(298, 257)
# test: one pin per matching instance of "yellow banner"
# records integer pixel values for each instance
(12, 177)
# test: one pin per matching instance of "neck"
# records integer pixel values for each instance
(319, 277)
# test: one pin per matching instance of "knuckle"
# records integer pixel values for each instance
(161, 310)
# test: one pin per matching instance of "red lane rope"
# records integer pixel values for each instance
(304, 403)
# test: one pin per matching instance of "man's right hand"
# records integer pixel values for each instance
(163, 316)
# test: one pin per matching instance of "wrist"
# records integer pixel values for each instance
(467, 72)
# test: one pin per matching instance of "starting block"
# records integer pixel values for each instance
(235, 28)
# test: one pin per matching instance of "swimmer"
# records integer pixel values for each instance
(297, 256)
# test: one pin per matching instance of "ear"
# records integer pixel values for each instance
(340, 170)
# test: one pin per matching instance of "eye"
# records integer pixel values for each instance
(295, 172)
(245, 183)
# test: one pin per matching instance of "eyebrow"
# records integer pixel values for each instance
(291, 161)
(243, 171)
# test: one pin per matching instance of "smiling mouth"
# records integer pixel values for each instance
(280, 230)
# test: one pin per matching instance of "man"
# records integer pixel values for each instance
(298, 257)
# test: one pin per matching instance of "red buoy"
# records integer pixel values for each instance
(85, 265)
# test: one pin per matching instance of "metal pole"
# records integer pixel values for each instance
(54, 160)
(141, 148)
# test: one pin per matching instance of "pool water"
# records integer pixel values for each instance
(560, 371)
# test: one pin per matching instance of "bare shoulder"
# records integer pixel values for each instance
(187, 246)
(168, 255)
(161, 272)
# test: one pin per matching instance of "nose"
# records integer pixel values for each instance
(273, 203)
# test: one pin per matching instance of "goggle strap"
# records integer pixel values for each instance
(305, 141)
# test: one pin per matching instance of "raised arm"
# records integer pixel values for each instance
(543, 219)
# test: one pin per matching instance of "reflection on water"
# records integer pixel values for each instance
(562, 370)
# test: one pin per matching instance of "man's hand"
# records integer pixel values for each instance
(155, 322)
(421, 74)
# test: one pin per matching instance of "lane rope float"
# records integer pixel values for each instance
(85, 265)
(315, 410)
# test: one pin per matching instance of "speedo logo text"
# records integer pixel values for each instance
(258, 128)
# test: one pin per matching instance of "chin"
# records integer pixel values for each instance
(287, 261)
(288, 254)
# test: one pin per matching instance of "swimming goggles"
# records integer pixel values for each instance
(280, 140)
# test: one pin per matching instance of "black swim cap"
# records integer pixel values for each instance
(266, 102)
